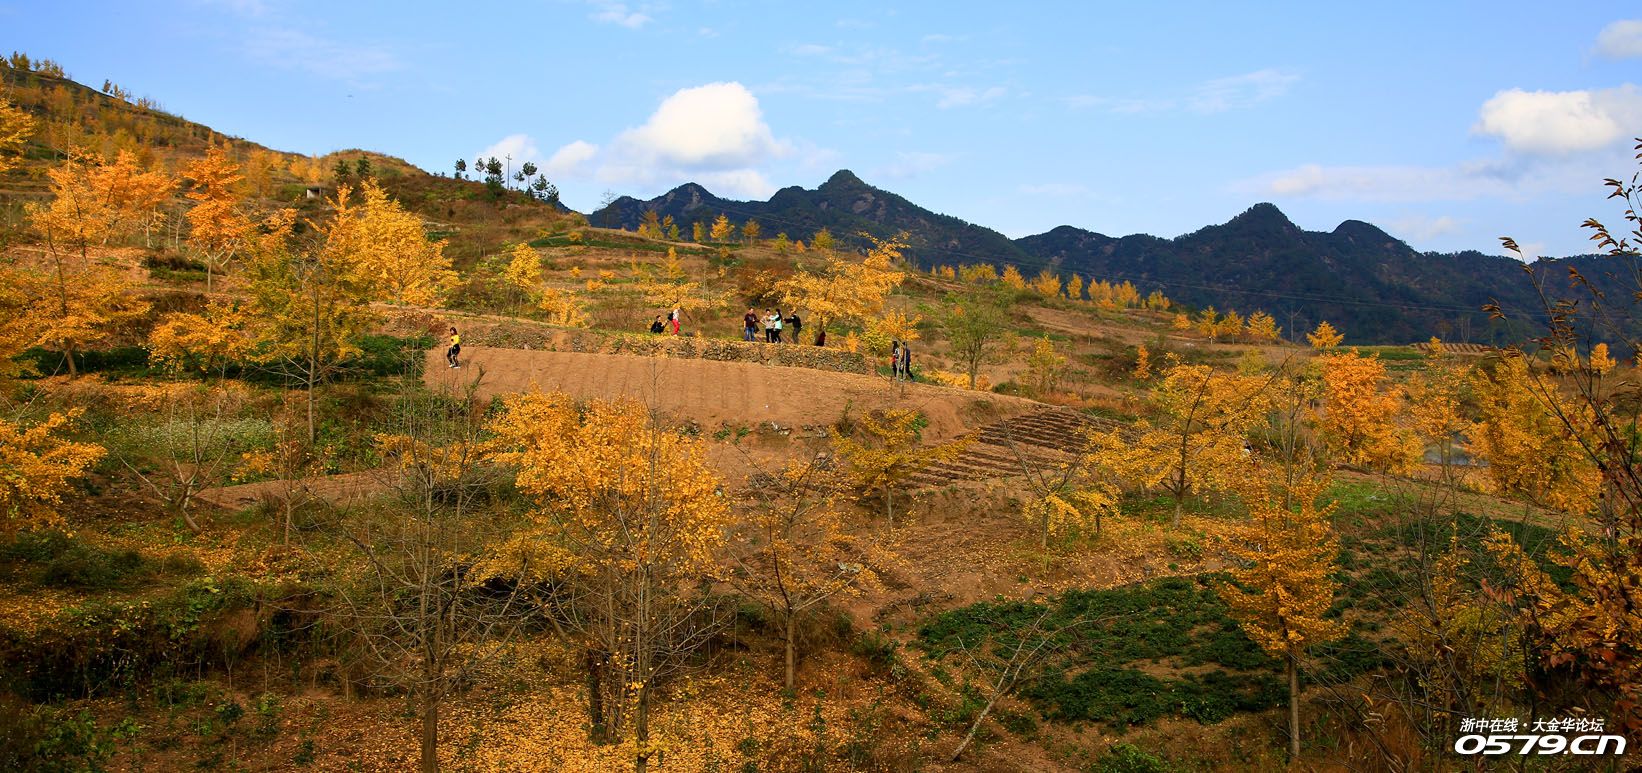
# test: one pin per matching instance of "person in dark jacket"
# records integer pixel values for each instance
(906, 360)
(749, 325)
(797, 326)
(657, 327)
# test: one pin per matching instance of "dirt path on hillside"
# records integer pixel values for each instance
(717, 393)
(338, 489)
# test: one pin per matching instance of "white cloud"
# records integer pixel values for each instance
(1561, 122)
(713, 134)
(1552, 143)
(1217, 95)
(297, 50)
(1621, 39)
(1423, 227)
(1383, 183)
(716, 126)
(912, 164)
(963, 96)
(619, 14)
(1240, 91)
(571, 160)
(1055, 189)
(809, 49)
(519, 147)
(1515, 178)
(251, 8)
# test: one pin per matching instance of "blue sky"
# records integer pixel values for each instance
(1448, 126)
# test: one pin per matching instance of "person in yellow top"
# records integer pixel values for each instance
(454, 353)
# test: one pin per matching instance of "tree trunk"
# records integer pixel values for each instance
(976, 725)
(641, 730)
(792, 655)
(593, 663)
(68, 353)
(1179, 505)
(1294, 709)
(430, 732)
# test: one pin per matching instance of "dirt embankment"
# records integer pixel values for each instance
(721, 394)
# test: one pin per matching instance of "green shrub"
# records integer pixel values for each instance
(1128, 758)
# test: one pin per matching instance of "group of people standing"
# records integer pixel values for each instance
(774, 325)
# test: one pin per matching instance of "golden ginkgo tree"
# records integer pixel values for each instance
(1282, 584)
(791, 551)
(845, 288)
(310, 300)
(882, 451)
(628, 519)
(219, 226)
(1527, 435)
(1194, 437)
(82, 297)
(1362, 414)
(391, 247)
(208, 341)
(38, 465)
(16, 126)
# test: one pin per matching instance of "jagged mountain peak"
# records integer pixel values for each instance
(843, 178)
(1264, 213)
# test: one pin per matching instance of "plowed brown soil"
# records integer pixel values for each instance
(716, 393)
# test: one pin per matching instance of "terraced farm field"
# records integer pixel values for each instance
(999, 449)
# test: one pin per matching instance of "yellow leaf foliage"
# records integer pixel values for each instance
(1325, 337)
(1047, 283)
(1285, 561)
(1530, 452)
(37, 466)
(202, 342)
(608, 482)
(1045, 365)
(392, 250)
(561, 307)
(722, 229)
(1262, 327)
(524, 269)
(1012, 278)
(80, 299)
(16, 125)
(1074, 288)
(978, 273)
(883, 452)
(218, 229)
(1601, 363)
(845, 289)
(1360, 413)
(1192, 440)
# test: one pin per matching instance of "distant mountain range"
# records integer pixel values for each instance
(1371, 285)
